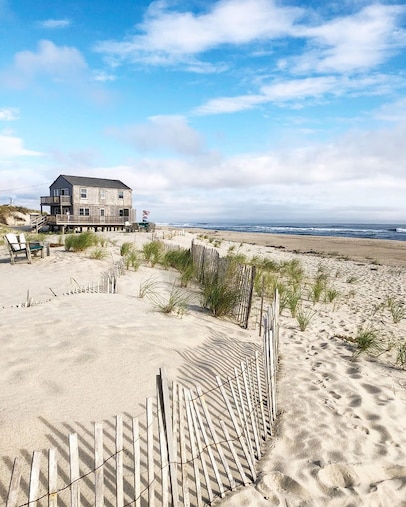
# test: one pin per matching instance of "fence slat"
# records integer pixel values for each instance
(200, 449)
(119, 461)
(52, 478)
(163, 449)
(34, 478)
(237, 429)
(14, 483)
(74, 469)
(237, 461)
(182, 444)
(150, 453)
(208, 446)
(215, 438)
(98, 464)
(193, 450)
(250, 409)
(240, 406)
(260, 396)
(137, 462)
(169, 437)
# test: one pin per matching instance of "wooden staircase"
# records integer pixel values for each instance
(38, 222)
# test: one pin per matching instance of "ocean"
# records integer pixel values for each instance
(371, 231)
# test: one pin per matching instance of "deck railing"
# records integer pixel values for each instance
(65, 219)
(65, 200)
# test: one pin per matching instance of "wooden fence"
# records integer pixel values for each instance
(192, 448)
(106, 284)
(208, 262)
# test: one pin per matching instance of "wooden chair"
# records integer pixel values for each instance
(19, 244)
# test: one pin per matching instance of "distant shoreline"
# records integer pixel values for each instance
(382, 251)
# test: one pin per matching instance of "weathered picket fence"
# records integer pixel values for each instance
(193, 447)
(208, 262)
(106, 284)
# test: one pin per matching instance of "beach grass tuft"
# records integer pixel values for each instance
(80, 242)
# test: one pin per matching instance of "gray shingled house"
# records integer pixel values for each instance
(78, 202)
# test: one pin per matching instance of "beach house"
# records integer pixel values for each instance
(80, 202)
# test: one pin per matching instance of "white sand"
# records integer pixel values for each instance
(77, 359)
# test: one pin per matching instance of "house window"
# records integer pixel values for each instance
(102, 212)
(102, 194)
(83, 193)
(124, 212)
(120, 194)
(84, 212)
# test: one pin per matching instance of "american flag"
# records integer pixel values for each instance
(145, 212)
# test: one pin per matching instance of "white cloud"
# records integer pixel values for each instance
(296, 91)
(9, 114)
(103, 76)
(161, 133)
(352, 43)
(62, 63)
(12, 147)
(168, 37)
(55, 23)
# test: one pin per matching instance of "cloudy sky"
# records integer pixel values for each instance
(262, 110)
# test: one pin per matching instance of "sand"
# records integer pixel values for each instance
(76, 359)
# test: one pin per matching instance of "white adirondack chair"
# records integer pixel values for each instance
(19, 244)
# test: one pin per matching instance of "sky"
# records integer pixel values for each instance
(227, 110)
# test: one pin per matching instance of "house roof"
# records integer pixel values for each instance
(94, 182)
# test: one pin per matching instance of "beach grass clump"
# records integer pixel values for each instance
(99, 253)
(149, 287)
(133, 260)
(237, 258)
(219, 295)
(80, 242)
(153, 252)
(397, 310)
(318, 288)
(182, 261)
(330, 294)
(176, 302)
(367, 340)
(293, 297)
(401, 354)
(294, 271)
(265, 283)
(102, 241)
(303, 317)
(126, 248)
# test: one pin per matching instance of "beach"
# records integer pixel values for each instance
(69, 360)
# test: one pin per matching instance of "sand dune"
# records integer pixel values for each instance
(75, 359)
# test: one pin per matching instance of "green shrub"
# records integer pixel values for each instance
(80, 242)
(133, 260)
(126, 248)
(304, 317)
(293, 297)
(153, 252)
(397, 310)
(220, 296)
(176, 302)
(401, 354)
(330, 294)
(367, 340)
(148, 287)
(99, 253)
(317, 289)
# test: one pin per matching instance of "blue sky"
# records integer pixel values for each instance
(209, 110)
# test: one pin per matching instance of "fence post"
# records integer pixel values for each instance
(163, 391)
(14, 483)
